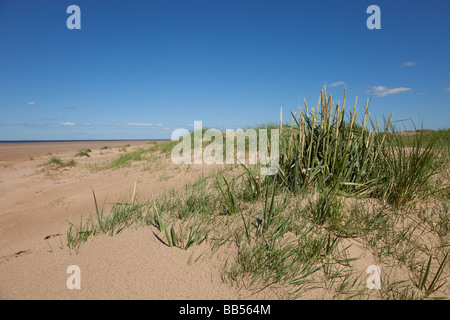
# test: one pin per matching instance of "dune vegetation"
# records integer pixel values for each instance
(344, 181)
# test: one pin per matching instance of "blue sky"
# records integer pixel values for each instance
(141, 69)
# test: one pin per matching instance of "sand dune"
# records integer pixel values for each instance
(43, 188)
(37, 203)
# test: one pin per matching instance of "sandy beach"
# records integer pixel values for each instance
(46, 187)
(39, 201)
(21, 151)
(224, 150)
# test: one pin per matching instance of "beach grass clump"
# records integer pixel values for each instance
(183, 234)
(83, 153)
(330, 150)
(122, 215)
(71, 163)
(407, 168)
(326, 147)
(427, 283)
(124, 148)
(125, 160)
(54, 160)
(57, 163)
(165, 147)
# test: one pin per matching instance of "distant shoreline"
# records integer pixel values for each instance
(26, 150)
(93, 140)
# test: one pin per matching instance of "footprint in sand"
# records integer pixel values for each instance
(52, 236)
(14, 255)
(22, 253)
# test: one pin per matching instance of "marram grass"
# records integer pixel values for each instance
(287, 231)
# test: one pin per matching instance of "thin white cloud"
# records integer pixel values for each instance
(134, 124)
(447, 89)
(384, 91)
(165, 128)
(31, 103)
(67, 124)
(337, 84)
(159, 125)
(409, 64)
(75, 108)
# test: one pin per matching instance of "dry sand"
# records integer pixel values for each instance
(37, 202)
(14, 151)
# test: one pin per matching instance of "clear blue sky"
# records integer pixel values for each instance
(228, 63)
